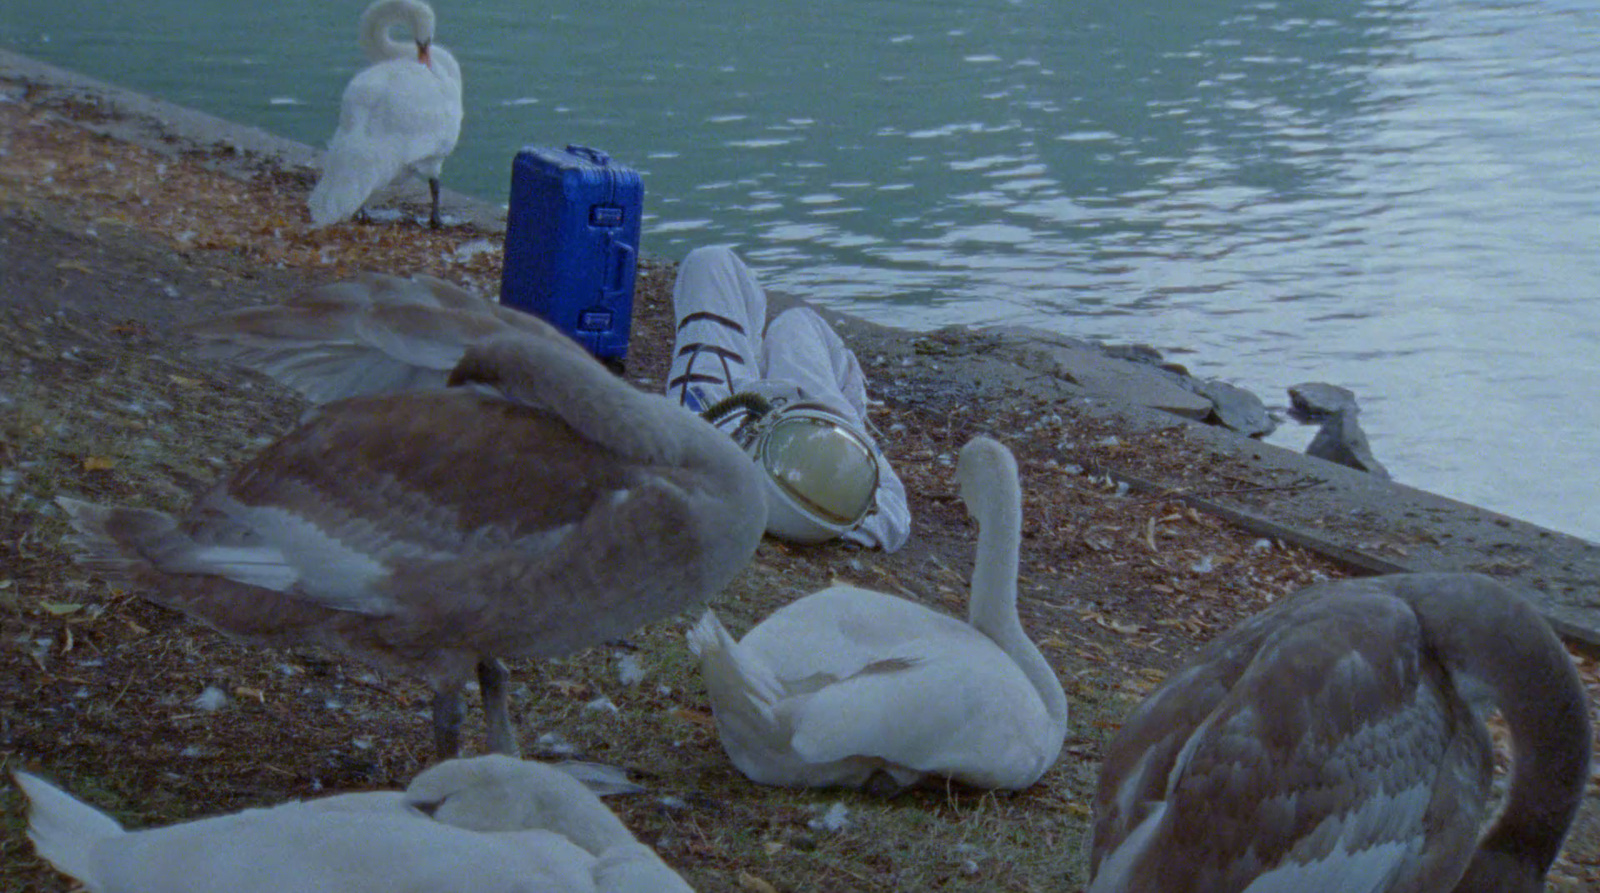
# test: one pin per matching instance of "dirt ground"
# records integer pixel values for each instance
(104, 246)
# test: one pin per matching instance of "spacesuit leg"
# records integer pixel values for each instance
(720, 311)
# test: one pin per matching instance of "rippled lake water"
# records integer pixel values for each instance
(1399, 197)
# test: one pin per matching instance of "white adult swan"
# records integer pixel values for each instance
(548, 507)
(1333, 743)
(848, 683)
(556, 837)
(401, 115)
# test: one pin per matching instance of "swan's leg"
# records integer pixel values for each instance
(887, 783)
(492, 677)
(447, 715)
(433, 218)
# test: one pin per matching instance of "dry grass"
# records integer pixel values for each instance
(97, 686)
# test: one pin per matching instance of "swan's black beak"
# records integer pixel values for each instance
(422, 52)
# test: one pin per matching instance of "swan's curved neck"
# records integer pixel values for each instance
(381, 18)
(1497, 647)
(992, 609)
(1547, 713)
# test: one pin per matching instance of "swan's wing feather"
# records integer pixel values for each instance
(353, 168)
(743, 692)
(65, 831)
(404, 108)
(960, 709)
(295, 849)
(1304, 745)
(834, 633)
(329, 351)
(380, 471)
(332, 512)
(370, 288)
(553, 374)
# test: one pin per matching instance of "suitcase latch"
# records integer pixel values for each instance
(605, 215)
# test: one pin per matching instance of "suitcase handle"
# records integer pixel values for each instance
(592, 155)
(622, 263)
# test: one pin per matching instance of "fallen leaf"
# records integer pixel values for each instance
(748, 881)
(184, 380)
(1116, 626)
(569, 688)
(60, 608)
(699, 717)
(98, 463)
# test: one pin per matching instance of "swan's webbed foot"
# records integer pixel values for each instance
(447, 715)
(434, 222)
(882, 783)
(492, 678)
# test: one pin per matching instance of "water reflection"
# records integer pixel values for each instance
(1395, 196)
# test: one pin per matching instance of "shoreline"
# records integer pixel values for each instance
(1560, 572)
(1145, 534)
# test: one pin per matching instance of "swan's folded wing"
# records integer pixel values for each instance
(295, 849)
(1298, 757)
(332, 351)
(409, 109)
(368, 335)
(833, 633)
(965, 713)
(370, 288)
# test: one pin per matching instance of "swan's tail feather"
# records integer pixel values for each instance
(64, 830)
(368, 335)
(743, 692)
(145, 545)
(349, 177)
(114, 540)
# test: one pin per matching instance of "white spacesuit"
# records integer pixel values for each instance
(800, 409)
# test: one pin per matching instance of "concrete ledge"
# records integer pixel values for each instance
(1368, 523)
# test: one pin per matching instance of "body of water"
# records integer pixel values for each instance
(1397, 196)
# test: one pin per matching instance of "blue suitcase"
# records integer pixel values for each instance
(572, 244)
